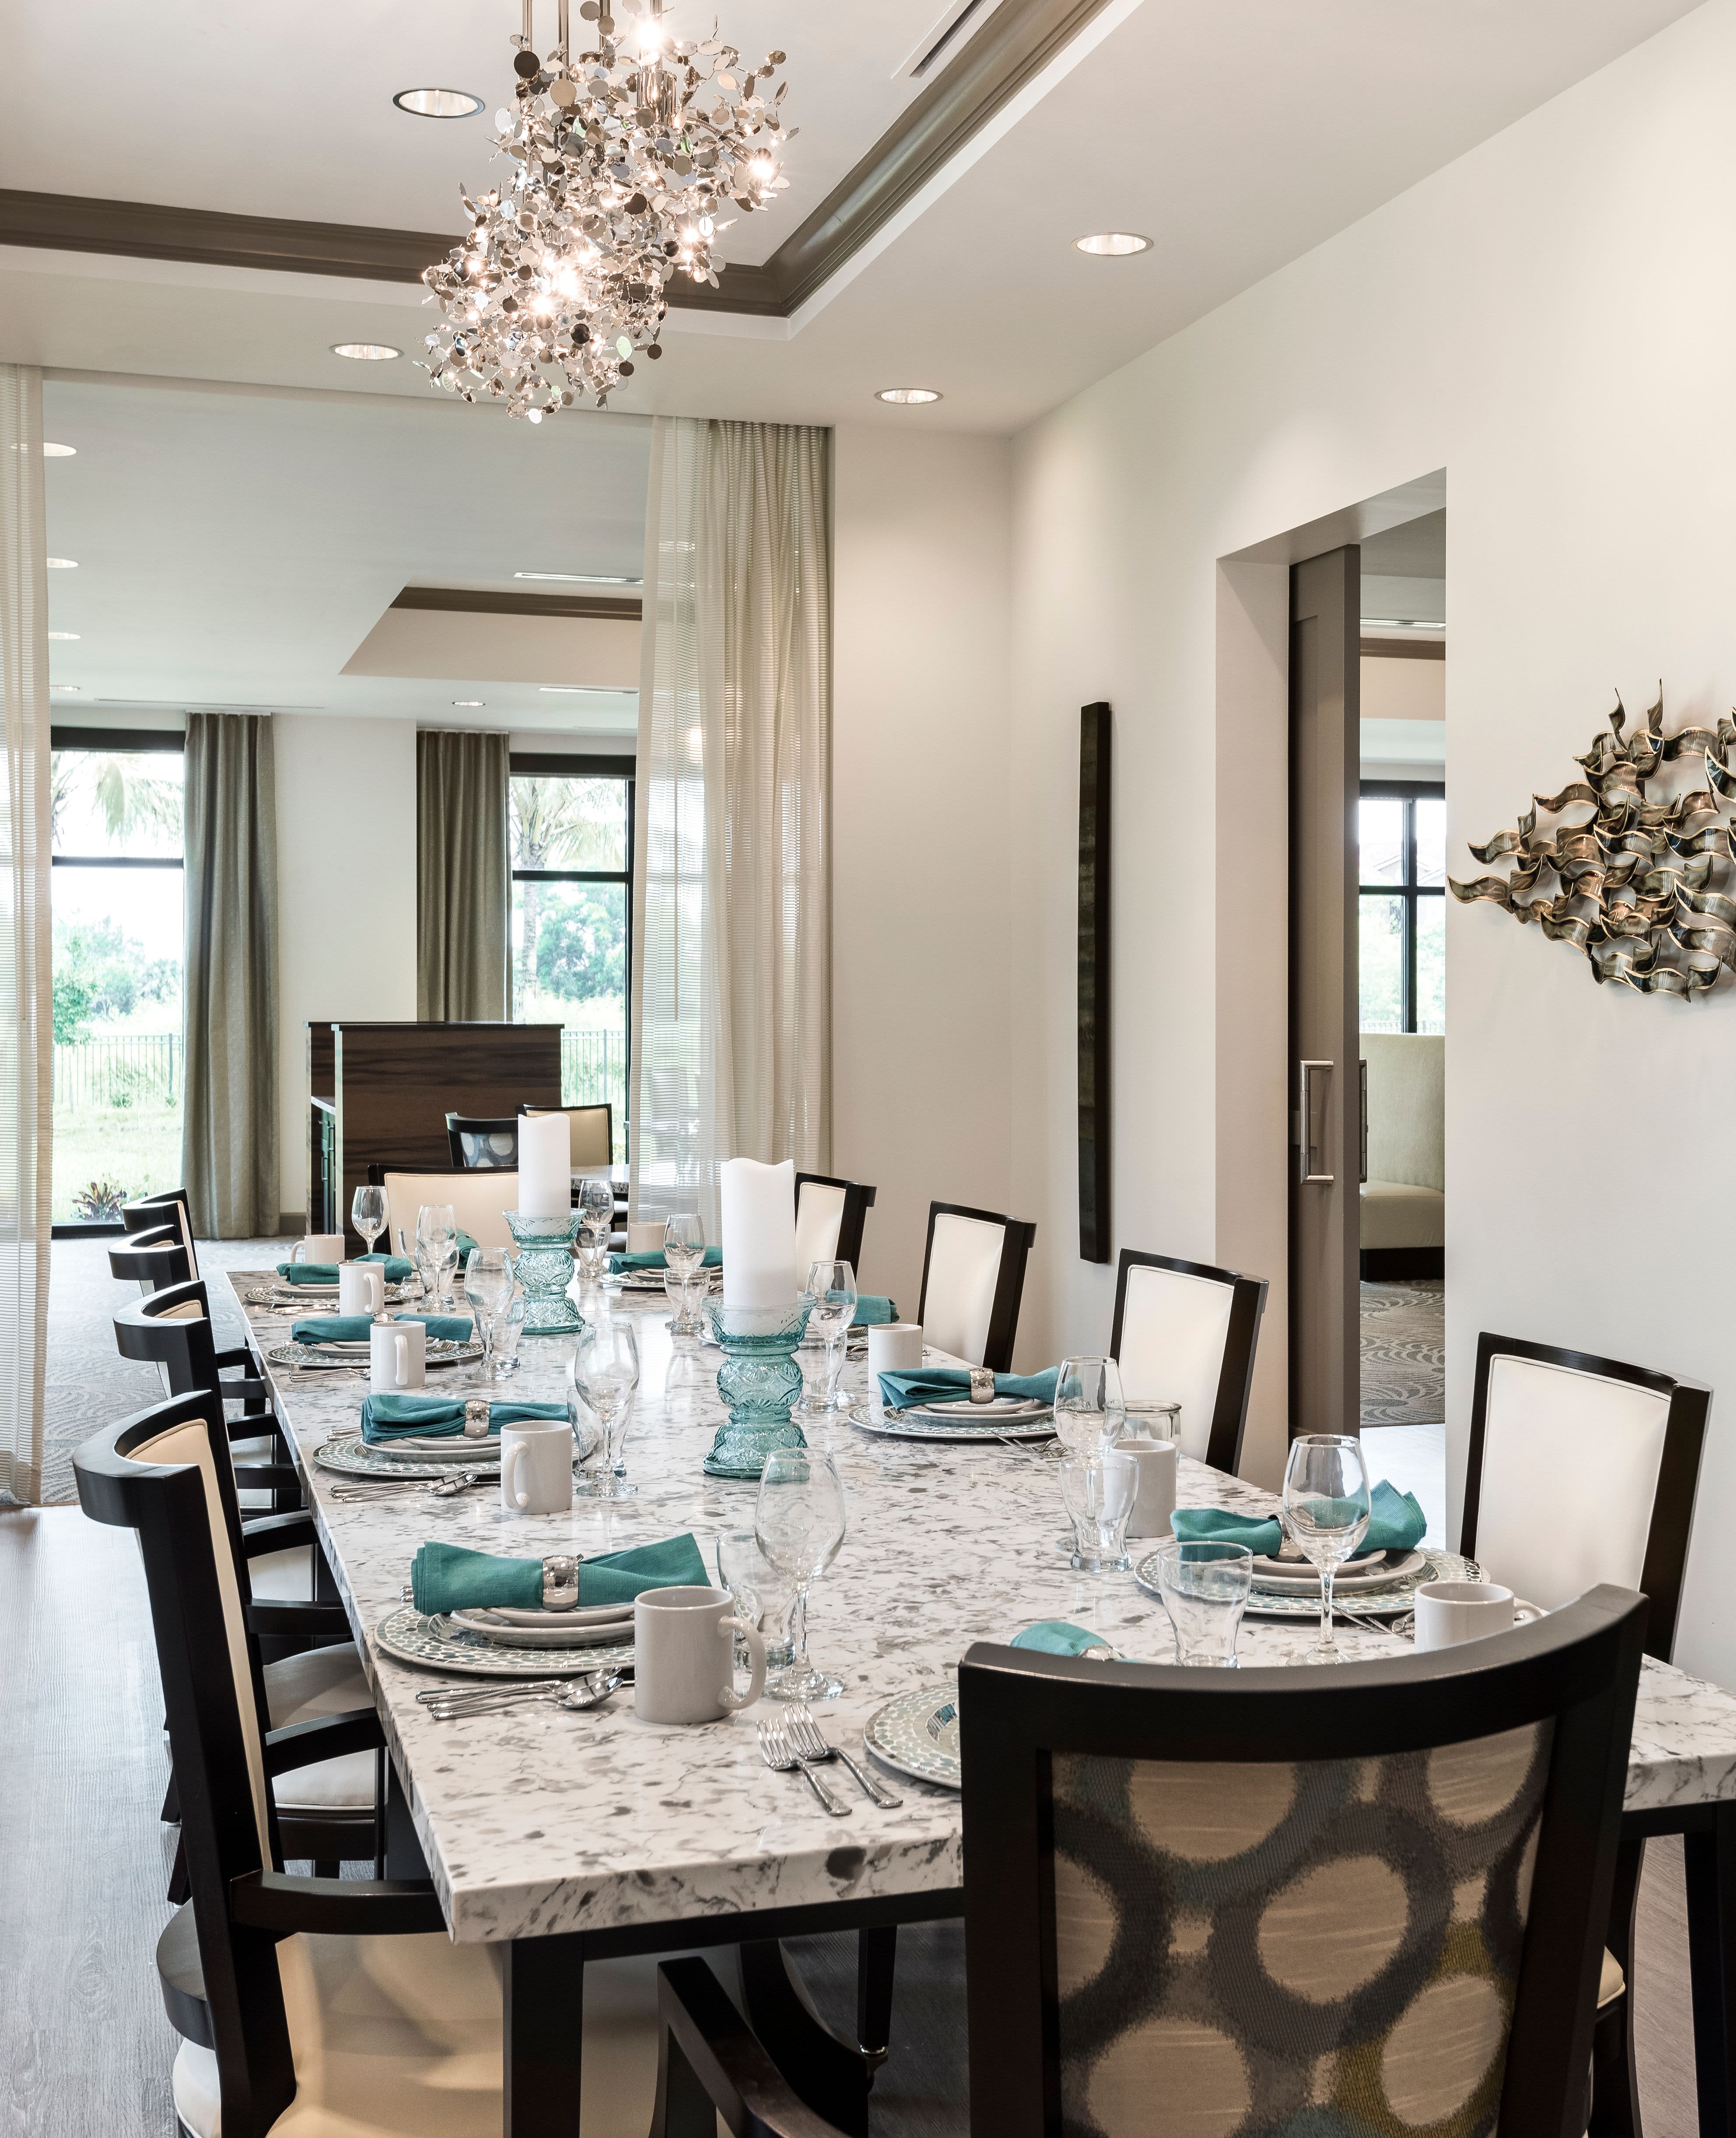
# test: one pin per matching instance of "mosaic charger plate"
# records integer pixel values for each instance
(309, 1297)
(351, 1359)
(435, 1644)
(917, 1734)
(1390, 1603)
(349, 1454)
(921, 1425)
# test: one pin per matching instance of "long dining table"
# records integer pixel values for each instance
(566, 1837)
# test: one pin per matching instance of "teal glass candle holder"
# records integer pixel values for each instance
(759, 1379)
(544, 1268)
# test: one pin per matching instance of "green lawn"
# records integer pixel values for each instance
(138, 1146)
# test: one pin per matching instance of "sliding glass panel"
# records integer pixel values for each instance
(1381, 969)
(1431, 964)
(1381, 826)
(569, 968)
(1431, 840)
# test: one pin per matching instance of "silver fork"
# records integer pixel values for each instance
(809, 1742)
(432, 1488)
(590, 1689)
(779, 1754)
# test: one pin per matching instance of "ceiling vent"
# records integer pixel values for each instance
(938, 44)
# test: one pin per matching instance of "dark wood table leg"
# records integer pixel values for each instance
(542, 2024)
(828, 2075)
(876, 1951)
(1709, 1856)
(1615, 2075)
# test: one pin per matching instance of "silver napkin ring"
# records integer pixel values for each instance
(560, 1583)
(475, 1417)
(982, 1385)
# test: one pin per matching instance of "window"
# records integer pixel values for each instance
(571, 823)
(118, 945)
(1402, 829)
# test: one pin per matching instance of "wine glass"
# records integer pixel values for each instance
(436, 1250)
(367, 1213)
(1090, 1409)
(488, 1285)
(684, 1252)
(604, 1372)
(799, 1519)
(1326, 1512)
(832, 1289)
(596, 1224)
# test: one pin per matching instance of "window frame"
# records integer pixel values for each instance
(585, 764)
(1410, 793)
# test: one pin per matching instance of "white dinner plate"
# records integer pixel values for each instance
(1291, 1578)
(354, 1357)
(557, 1629)
(1001, 1409)
(914, 1425)
(408, 1636)
(350, 1455)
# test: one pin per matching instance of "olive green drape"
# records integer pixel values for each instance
(462, 880)
(229, 1137)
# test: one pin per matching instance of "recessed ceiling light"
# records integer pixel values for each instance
(63, 563)
(437, 103)
(50, 452)
(577, 691)
(583, 578)
(907, 396)
(1112, 244)
(365, 351)
(63, 687)
(1401, 623)
(63, 634)
(470, 704)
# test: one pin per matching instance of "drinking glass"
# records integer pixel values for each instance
(1205, 1590)
(761, 1594)
(367, 1213)
(684, 1294)
(1098, 1492)
(597, 1208)
(488, 1285)
(832, 1289)
(508, 1326)
(684, 1254)
(436, 1244)
(799, 1519)
(604, 1374)
(591, 1249)
(1089, 1405)
(1326, 1512)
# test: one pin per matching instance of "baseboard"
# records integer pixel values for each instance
(291, 1224)
(1391, 1265)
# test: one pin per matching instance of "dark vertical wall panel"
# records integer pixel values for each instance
(1094, 984)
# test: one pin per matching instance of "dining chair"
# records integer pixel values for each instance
(1211, 1901)
(478, 1195)
(169, 1206)
(347, 2000)
(149, 1259)
(1583, 1469)
(592, 1131)
(482, 1143)
(830, 1215)
(973, 1277)
(1185, 1333)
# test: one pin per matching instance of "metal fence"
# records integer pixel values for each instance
(120, 1069)
(593, 1069)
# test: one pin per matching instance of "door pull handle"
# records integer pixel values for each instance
(1310, 1150)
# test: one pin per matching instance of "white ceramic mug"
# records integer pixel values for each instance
(645, 1237)
(536, 1467)
(1154, 1494)
(361, 1288)
(684, 1655)
(397, 1356)
(319, 1247)
(894, 1347)
(1449, 1612)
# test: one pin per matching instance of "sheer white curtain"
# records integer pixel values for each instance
(26, 1061)
(732, 921)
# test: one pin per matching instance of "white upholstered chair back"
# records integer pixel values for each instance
(591, 1130)
(819, 1218)
(477, 1200)
(1173, 1335)
(1569, 1476)
(964, 1268)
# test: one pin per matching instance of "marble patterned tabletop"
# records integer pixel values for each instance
(542, 1820)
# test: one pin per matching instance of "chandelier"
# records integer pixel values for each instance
(627, 158)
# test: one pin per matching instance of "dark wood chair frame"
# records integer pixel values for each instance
(459, 1125)
(1578, 1668)
(170, 1207)
(1615, 2112)
(1003, 1319)
(858, 1202)
(151, 1258)
(242, 1905)
(1236, 1376)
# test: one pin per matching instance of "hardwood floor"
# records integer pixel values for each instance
(85, 2048)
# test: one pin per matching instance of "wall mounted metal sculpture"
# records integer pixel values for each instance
(1632, 876)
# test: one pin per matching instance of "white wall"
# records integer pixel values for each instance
(346, 888)
(925, 985)
(1550, 320)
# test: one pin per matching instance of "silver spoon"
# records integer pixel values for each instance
(574, 1695)
(435, 1488)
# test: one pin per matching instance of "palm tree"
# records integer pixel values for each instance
(559, 823)
(127, 800)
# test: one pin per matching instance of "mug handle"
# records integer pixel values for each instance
(509, 1460)
(297, 1252)
(730, 1699)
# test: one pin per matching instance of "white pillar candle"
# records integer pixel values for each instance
(545, 1166)
(759, 1234)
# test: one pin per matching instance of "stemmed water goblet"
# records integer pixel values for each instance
(367, 1213)
(832, 1293)
(596, 1223)
(800, 1521)
(1326, 1512)
(605, 1373)
(436, 1252)
(488, 1285)
(684, 1253)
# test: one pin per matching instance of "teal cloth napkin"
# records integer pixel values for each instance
(354, 1328)
(1054, 1637)
(951, 1383)
(652, 1259)
(1396, 1523)
(396, 1270)
(870, 1308)
(1262, 1534)
(386, 1418)
(466, 1247)
(449, 1577)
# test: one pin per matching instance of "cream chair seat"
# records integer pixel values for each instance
(477, 1198)
(321, 1681)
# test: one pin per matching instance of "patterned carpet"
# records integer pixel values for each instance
(1404, 1352)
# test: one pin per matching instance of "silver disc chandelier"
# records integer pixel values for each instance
(628, 159)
